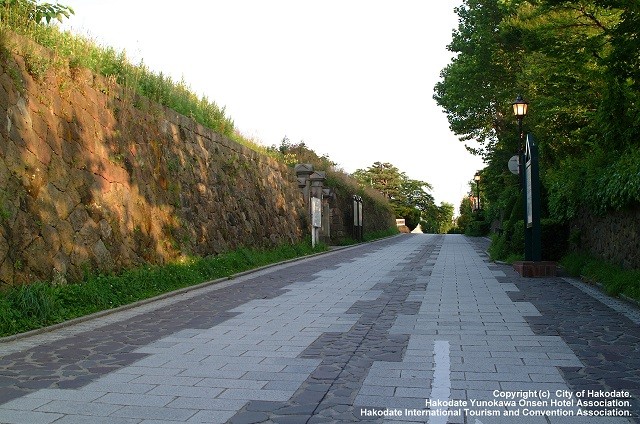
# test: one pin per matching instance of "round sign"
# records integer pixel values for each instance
(514, 165)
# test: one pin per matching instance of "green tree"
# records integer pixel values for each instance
(384, 177)
(34, 11)
(416, 193)
(465, 215)
(445, 217)
(413, 201)
(409, 198)
(576, 61)
(438, 219)
(474, 87)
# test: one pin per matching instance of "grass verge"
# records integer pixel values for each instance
(40, 304)
(614, 279)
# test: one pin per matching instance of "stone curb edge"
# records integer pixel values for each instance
(183, 290)
(598, 286)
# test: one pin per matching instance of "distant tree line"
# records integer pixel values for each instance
(411, 199)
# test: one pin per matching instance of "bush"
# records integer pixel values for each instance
(477, 228)
(614, 279)
(498, 247)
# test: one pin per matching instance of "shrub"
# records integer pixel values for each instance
(477, 228)
(614, 279)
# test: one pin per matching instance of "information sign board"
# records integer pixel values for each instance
(316, 212)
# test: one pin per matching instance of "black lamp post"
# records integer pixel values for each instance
(477, 180)
(520, 108)
(530, 186)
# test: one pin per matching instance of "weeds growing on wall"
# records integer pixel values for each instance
(76, 52)
(27, 307)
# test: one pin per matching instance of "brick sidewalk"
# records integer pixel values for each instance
(344, 337)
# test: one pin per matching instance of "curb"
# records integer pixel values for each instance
(601, 289)
(180, 291)
(583, 280)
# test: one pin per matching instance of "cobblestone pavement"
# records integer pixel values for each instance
(416, 328)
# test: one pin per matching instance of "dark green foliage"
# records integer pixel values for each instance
(424, 225)
(465, 217)
(36, 305)
(477, 228)
(478, 225)
(439, 219)
(554, 239)
(576, 62)
(411, 216)
(602, 180)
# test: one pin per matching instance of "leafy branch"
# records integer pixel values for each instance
(36, 12)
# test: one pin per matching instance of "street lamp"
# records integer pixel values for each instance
(477, 180)
(530, 186)
(520, 110)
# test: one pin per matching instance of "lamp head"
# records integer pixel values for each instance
(520, 107)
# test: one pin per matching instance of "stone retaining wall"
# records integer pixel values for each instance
(614, 237)
(95, 178)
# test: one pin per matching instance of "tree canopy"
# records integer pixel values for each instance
(577, 62)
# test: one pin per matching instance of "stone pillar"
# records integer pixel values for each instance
(327, 197)
(303, 171)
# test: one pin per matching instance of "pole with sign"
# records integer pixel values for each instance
(533, 251)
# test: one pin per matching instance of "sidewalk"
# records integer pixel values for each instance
(374, 333)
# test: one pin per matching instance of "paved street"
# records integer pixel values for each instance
(415, 328)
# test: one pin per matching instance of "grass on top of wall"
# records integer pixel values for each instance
(71, 51)
(614, 279)
(27, 307)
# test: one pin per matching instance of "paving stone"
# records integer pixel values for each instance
(149, 412)
(10, 416)
(387, 324)
(78, 408)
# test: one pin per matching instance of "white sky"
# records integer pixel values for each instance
(353, 79)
